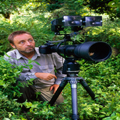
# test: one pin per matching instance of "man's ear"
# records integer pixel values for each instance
(12, 45)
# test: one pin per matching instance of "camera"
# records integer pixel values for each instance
(92, 50)
(96, 51)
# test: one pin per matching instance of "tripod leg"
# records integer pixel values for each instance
(57, 93)
(73, 83)
(87, 88)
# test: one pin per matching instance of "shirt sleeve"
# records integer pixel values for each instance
(58, 63)
(27, 76)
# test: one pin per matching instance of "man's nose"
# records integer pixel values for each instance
(28, 43)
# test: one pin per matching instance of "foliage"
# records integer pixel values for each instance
(9, 91)
(73, 5)
(111, 7)
(8, 6)
(52, 5)
(7, 77)
(5, 30)
(8, 105)
(103, 78)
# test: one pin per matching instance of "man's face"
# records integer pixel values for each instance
(24, 43)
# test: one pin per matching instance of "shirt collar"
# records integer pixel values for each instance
(21, 56)
(18, 54)
(37, 51)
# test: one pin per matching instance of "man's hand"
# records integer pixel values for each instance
(55, 87)
(45, 76)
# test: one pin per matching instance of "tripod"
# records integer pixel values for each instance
(71, 68)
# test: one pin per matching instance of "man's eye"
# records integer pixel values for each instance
(30, 40)
(22, 42)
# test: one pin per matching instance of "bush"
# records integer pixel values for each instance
(9, 107)
(104, 79)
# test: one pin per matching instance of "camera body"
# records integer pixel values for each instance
(75, 22)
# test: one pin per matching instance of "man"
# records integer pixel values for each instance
(46, 81)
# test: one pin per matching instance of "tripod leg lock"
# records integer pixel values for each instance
(75, 117)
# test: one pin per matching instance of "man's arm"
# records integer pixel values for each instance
(58, 63)
(45, 76)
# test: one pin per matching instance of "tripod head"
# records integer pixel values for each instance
(70, 66)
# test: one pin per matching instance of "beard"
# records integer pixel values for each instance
(27, 50)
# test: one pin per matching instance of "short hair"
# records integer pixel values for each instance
(13, 34)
